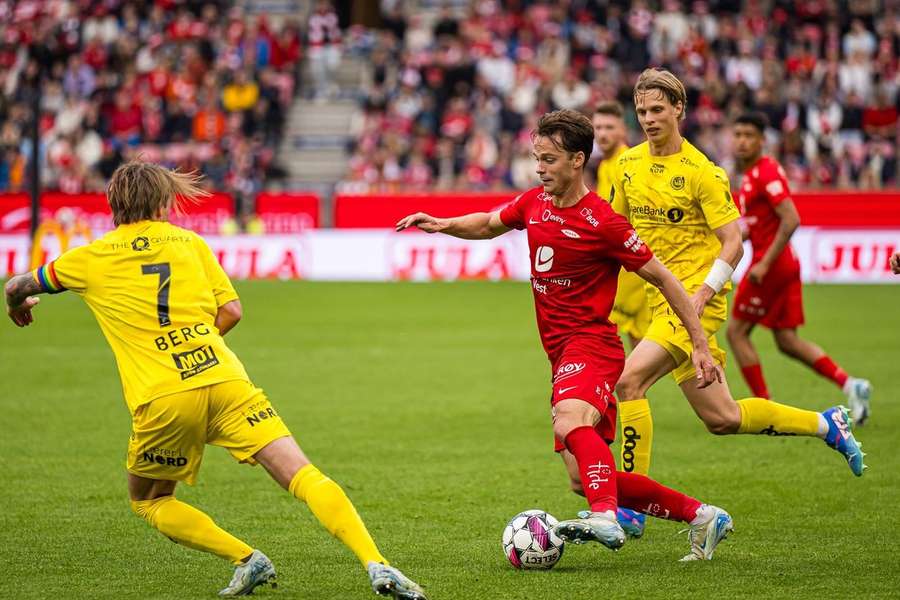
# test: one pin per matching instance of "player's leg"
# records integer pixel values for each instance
(738, 334)
(572, 470)
(722, 415)
(288, 465)
(154, 501)
(646, 364)
(243, 421)
(166, 446)
(574, 422)
(857, 390)
(709, 524)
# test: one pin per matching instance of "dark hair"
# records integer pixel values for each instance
(755, 119)
(611, 108)
(576, 133)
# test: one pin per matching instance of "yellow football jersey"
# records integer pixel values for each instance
(674, 203)
(606, 176)
(155, 289)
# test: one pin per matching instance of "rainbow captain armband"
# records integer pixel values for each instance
(47, 279)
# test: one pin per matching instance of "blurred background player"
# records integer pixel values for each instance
(895, 263)
(577, 245)
(163, 303)
(631, 312)
(679, 203)
(770, 294)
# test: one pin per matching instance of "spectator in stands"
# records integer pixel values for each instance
(126, 78)
(324, 38)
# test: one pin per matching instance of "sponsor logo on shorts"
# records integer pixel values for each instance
(564, 390)
(628, 445)
(256, 417)
(566, 370)
(598, 474)
(196, 361)
(164, 457)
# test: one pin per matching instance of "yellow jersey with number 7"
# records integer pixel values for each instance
(154, 289)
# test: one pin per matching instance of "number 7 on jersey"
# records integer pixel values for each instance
(162, 292)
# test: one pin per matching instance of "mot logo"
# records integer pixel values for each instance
(196, 361)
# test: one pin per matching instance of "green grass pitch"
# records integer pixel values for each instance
(428, 403)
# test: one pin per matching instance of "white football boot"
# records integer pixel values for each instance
(592, 527)
(256, 571)
(858, 392)
(389, 581)
(705, 536)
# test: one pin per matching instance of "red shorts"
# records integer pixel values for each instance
(592, 380)
(776, 303)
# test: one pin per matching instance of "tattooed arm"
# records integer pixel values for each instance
(20, 291)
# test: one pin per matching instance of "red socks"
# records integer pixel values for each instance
(826, 368)
(642, 494)
(754, 378)
(596, 466)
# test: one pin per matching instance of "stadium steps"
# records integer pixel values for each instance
(314, 150)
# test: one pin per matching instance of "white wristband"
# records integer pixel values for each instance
(719, 275)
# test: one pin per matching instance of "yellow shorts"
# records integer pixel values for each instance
(667, 331)
(631, 311)
(169, 433)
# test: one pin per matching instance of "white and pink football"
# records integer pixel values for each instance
(529, 541)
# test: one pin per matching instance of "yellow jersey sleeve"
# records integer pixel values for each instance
(68, 272)
(221, 285)
(715, 197)
(617, 197)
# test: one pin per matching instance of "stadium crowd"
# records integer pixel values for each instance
(451, 101)
(195, 85)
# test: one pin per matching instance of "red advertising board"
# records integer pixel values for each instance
(92, 211)
(383, 211)
(820, 209)
(288, 212)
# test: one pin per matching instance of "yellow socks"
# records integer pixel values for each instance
(335, 512)
(759, 415)
(185, 525)
(637, 435)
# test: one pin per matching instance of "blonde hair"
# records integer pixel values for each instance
(666, 83)
(140, 191)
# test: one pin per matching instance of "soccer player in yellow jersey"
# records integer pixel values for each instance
(679, 203)
(631, 312)
(163, 303)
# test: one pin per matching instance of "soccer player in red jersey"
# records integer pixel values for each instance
(577, 245)
(770, 294)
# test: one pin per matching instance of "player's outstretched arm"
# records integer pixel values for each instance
(729, 256)
(656, 274)
(228, 315)
(474, 226)
(20, 298)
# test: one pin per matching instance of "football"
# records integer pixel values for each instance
(529, 541)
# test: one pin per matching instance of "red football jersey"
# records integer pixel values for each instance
(763, 188)
(576, 253)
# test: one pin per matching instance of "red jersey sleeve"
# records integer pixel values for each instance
(623, 243)
(513, 214)
(772, 183)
